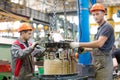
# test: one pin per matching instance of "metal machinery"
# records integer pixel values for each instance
(60, 62)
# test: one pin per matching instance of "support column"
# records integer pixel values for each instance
(109, 15)
(83, 29)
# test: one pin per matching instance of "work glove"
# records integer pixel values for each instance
(34, 44)
(74, 44)
(81, 50)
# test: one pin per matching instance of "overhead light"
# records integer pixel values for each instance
(66, 2)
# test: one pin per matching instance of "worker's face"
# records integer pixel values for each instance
(27, 35)
(98, 16)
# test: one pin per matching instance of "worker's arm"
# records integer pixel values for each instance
(102, 38)
(115, 63)
(16, 51)
(38, 52)
(94, 44)
(88, 49)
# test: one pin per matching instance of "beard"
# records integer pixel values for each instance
(26, 39)
(99, 21)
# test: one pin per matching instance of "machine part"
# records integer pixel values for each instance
(57, 37)
(59, 67)
(59, 55)
(41, 69)
(59, 63)
(61, 77)
(63, 45)
(65, 64)
(65, 26)
(54, 18)
(53, 67)
(76, 55)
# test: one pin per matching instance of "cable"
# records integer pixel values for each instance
(80, 29)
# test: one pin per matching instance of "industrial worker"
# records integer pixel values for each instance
(22, 53)
(102, 45)
(116, 58)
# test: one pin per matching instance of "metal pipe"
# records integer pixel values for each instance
(83, 29)
(109, 15)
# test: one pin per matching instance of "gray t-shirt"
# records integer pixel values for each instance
(106, 30)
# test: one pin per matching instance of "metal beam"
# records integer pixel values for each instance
(68, 12)
(14, 16)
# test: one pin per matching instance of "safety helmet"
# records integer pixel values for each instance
(24, 26)
(97, 6)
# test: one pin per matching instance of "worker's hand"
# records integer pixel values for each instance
(74, 44)
(115, 63)
(34, 44)
(81, 50)
(88, 49)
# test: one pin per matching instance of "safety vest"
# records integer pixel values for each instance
(18, 64)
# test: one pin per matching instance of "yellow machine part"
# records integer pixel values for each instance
(59, 67)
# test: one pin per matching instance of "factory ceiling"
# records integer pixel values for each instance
(45, 6)
(49, 5)
(60, 5)
(109, 2)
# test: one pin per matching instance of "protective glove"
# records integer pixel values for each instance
(34, 44)
(81, 50)
(74, 44)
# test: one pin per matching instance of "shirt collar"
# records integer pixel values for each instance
(101, 25)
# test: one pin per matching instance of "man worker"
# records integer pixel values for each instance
(116, 58)
(102, 45)
(22, 53)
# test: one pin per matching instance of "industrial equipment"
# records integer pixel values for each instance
(5, 70)
(59, 62)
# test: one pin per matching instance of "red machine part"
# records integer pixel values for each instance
(4, 67)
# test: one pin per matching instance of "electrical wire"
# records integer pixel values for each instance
(80, 27)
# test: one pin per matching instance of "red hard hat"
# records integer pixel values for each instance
(24, 26)
(97, 6)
